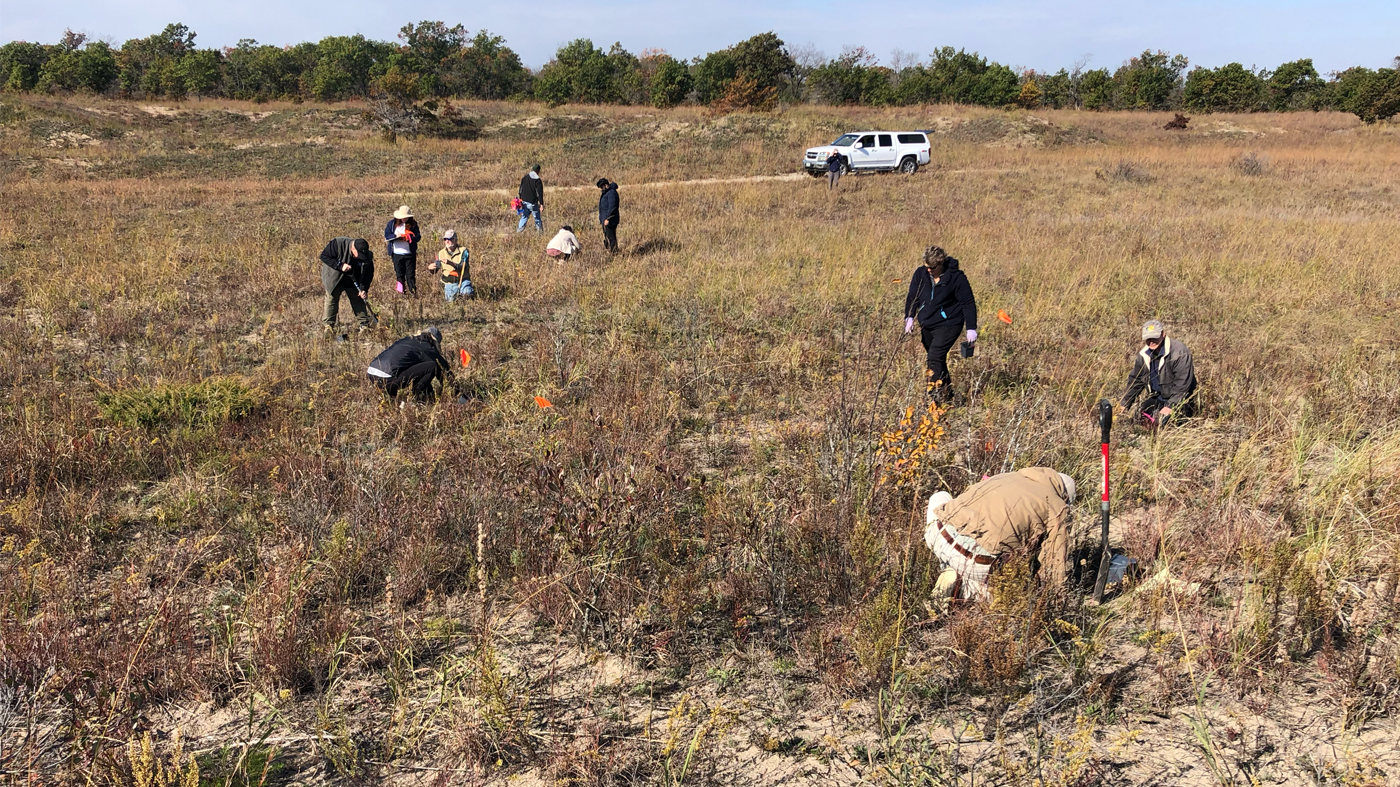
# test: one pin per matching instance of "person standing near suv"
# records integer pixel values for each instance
(941, 300)
(608, 214)
(532, 194)
(833, 169)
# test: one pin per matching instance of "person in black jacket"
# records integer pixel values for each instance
(347, 266)
(401, 235)
(411, 362)
(940, 299)
(834, 163)
(532, 194)
(608, 214)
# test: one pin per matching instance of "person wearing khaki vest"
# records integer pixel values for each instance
(1027, 509)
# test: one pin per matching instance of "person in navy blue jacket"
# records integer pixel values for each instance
(608, 213)
(401, 236)
(940, 299)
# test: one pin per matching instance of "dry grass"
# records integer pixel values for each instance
(689, 563)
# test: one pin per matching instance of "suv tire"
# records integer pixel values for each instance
(909, 165)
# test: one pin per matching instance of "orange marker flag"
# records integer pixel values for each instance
(466, 358)
(543, 402)
(1003, 316)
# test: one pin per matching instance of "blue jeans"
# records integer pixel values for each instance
(451, 291)
(525, 211)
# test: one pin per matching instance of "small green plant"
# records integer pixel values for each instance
(199, 406)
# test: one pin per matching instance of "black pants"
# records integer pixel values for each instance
(610, 235)
(1154, 403)
(419, 377)
(406, 272)
(938, 341)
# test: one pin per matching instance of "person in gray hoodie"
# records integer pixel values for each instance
(532, 194)
(347, 267)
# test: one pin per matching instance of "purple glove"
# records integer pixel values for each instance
(972, 336)
(908, 324)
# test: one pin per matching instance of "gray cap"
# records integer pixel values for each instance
(436, 334)
(1153, 329)
(450, 234)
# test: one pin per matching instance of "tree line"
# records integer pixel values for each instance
(431, 60)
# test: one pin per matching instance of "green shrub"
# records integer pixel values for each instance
(199, 406)
(671, 83)
(1370, 95)
(1230, 88)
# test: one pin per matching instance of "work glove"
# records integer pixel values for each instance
(972, 336)
(908, 324)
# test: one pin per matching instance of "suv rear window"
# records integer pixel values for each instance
(912, 139)
(885, 141)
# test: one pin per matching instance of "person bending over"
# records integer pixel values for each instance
(412, 362)
(972, 533)
(347, 267)
(564, 244)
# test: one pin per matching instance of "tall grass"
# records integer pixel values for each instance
(706, 476)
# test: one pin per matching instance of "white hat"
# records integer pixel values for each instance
(937, 501)
(1069, 488)
(449, 235)
(402, 213)
(931, 519)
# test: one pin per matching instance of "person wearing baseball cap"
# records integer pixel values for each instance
(347, 268)
(1164, 369)
(972, 533)
(453, 261)
(412, 362)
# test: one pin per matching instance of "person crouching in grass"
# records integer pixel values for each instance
(564, 244)
(412, 363)
(452, 261)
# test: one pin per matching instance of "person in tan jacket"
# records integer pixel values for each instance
(970, 534)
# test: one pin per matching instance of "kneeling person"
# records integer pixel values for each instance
(411, 362)
(970, 534)
(454, 263)
(1163, 367)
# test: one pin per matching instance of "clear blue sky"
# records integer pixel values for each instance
(1044, 36)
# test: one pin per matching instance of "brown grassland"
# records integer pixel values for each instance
(223, 552)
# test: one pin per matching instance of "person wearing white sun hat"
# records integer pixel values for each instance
(401, 235)
(972, 533)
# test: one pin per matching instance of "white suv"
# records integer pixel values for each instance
(872, 151)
